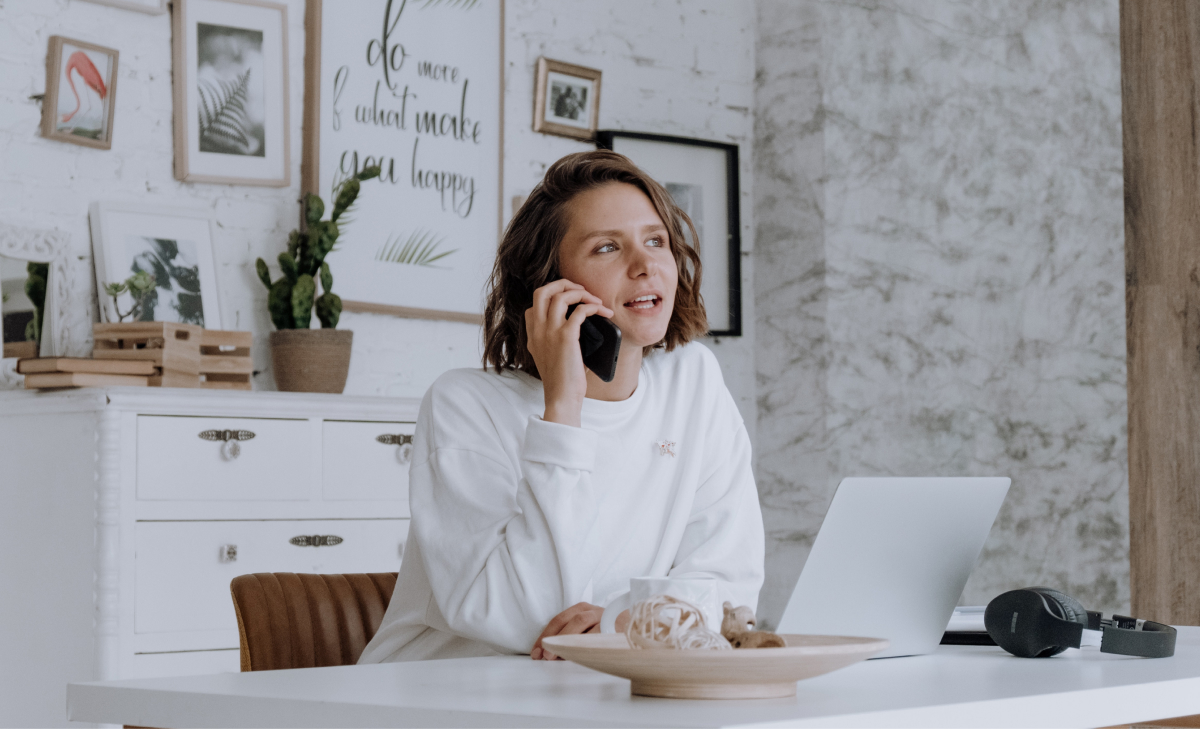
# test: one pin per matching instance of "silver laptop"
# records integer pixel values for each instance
(891, 559)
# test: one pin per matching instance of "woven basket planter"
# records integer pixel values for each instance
(311, 360)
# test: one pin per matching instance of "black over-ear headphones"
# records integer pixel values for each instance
(1037, 622)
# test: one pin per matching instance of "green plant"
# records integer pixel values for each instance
(140, 285)
(292, 298)
(35, 289)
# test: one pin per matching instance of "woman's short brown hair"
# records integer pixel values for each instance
(528, 255)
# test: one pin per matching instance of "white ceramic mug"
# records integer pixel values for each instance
(700, 591)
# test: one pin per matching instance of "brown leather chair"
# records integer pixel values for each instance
(288, 620)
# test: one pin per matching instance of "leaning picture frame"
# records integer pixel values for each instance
(173, 244)
(51, 247)
(566, 99)
(230, 65)
(81, 93)
(702, 177)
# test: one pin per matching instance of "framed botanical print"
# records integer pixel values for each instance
(174, 245)
(702, 177)
(81, 93)
(231, 92)
(566, 99)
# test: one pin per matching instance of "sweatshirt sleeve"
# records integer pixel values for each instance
(505, 550)
(724, 537)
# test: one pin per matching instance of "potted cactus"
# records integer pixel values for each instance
(306, 359)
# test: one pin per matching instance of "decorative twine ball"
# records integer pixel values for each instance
(668, 622)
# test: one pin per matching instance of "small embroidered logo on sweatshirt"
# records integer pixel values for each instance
(666, 448)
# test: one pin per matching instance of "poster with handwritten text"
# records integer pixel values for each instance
(413, 86)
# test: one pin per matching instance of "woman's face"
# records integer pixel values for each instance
(617, 248)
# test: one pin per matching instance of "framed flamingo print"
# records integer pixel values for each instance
(81, 92)
(231, 92)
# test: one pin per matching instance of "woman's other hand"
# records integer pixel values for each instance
(553, 341)
(579, 618)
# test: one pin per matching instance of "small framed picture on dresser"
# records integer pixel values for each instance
(173, 245)
(702, 177)
(81, 93)
(231, 92)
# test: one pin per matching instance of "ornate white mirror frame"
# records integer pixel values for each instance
(41, 246)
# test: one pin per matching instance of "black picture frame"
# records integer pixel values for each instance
(728, 319)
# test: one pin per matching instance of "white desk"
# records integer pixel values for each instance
(957, 686)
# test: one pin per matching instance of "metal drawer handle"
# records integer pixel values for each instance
(228, 553)
(316, 540)
(229, 439)
(402, 442)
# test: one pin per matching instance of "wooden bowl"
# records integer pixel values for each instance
(754, 673)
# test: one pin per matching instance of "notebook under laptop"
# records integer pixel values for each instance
(892, 558)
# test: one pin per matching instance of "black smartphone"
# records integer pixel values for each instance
(600, 343)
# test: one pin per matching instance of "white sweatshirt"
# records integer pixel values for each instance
(515, 519)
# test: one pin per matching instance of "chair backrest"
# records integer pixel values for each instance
(288, 620)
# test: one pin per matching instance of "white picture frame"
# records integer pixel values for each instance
(230, 61)
(131, 236)
(150, 7)
(51, 247)
(421, 241)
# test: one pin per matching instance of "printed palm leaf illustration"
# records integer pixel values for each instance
(224, 124)
(419, 249)
(464, 4)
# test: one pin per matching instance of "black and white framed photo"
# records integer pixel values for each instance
(567, 99)
(231, 99)
(702, 177)
(81, 93)
(174, 245)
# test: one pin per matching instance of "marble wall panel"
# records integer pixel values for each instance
(791, 352)
(973, 273)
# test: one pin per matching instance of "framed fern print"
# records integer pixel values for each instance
(231, 92)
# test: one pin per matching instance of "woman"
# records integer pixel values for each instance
(538, 489)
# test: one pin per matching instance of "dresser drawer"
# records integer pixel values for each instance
(358, 466)
(175, 462)
(182, 582)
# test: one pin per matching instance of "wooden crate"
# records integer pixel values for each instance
(225, 362)
(173, 348)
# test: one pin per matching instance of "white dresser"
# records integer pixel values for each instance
(125, 513)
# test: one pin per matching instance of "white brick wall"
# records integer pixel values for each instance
(669, 67)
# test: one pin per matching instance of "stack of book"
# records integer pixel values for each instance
(80, 372)
(155, 354)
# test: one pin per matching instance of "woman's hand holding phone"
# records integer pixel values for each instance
(553, 341)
